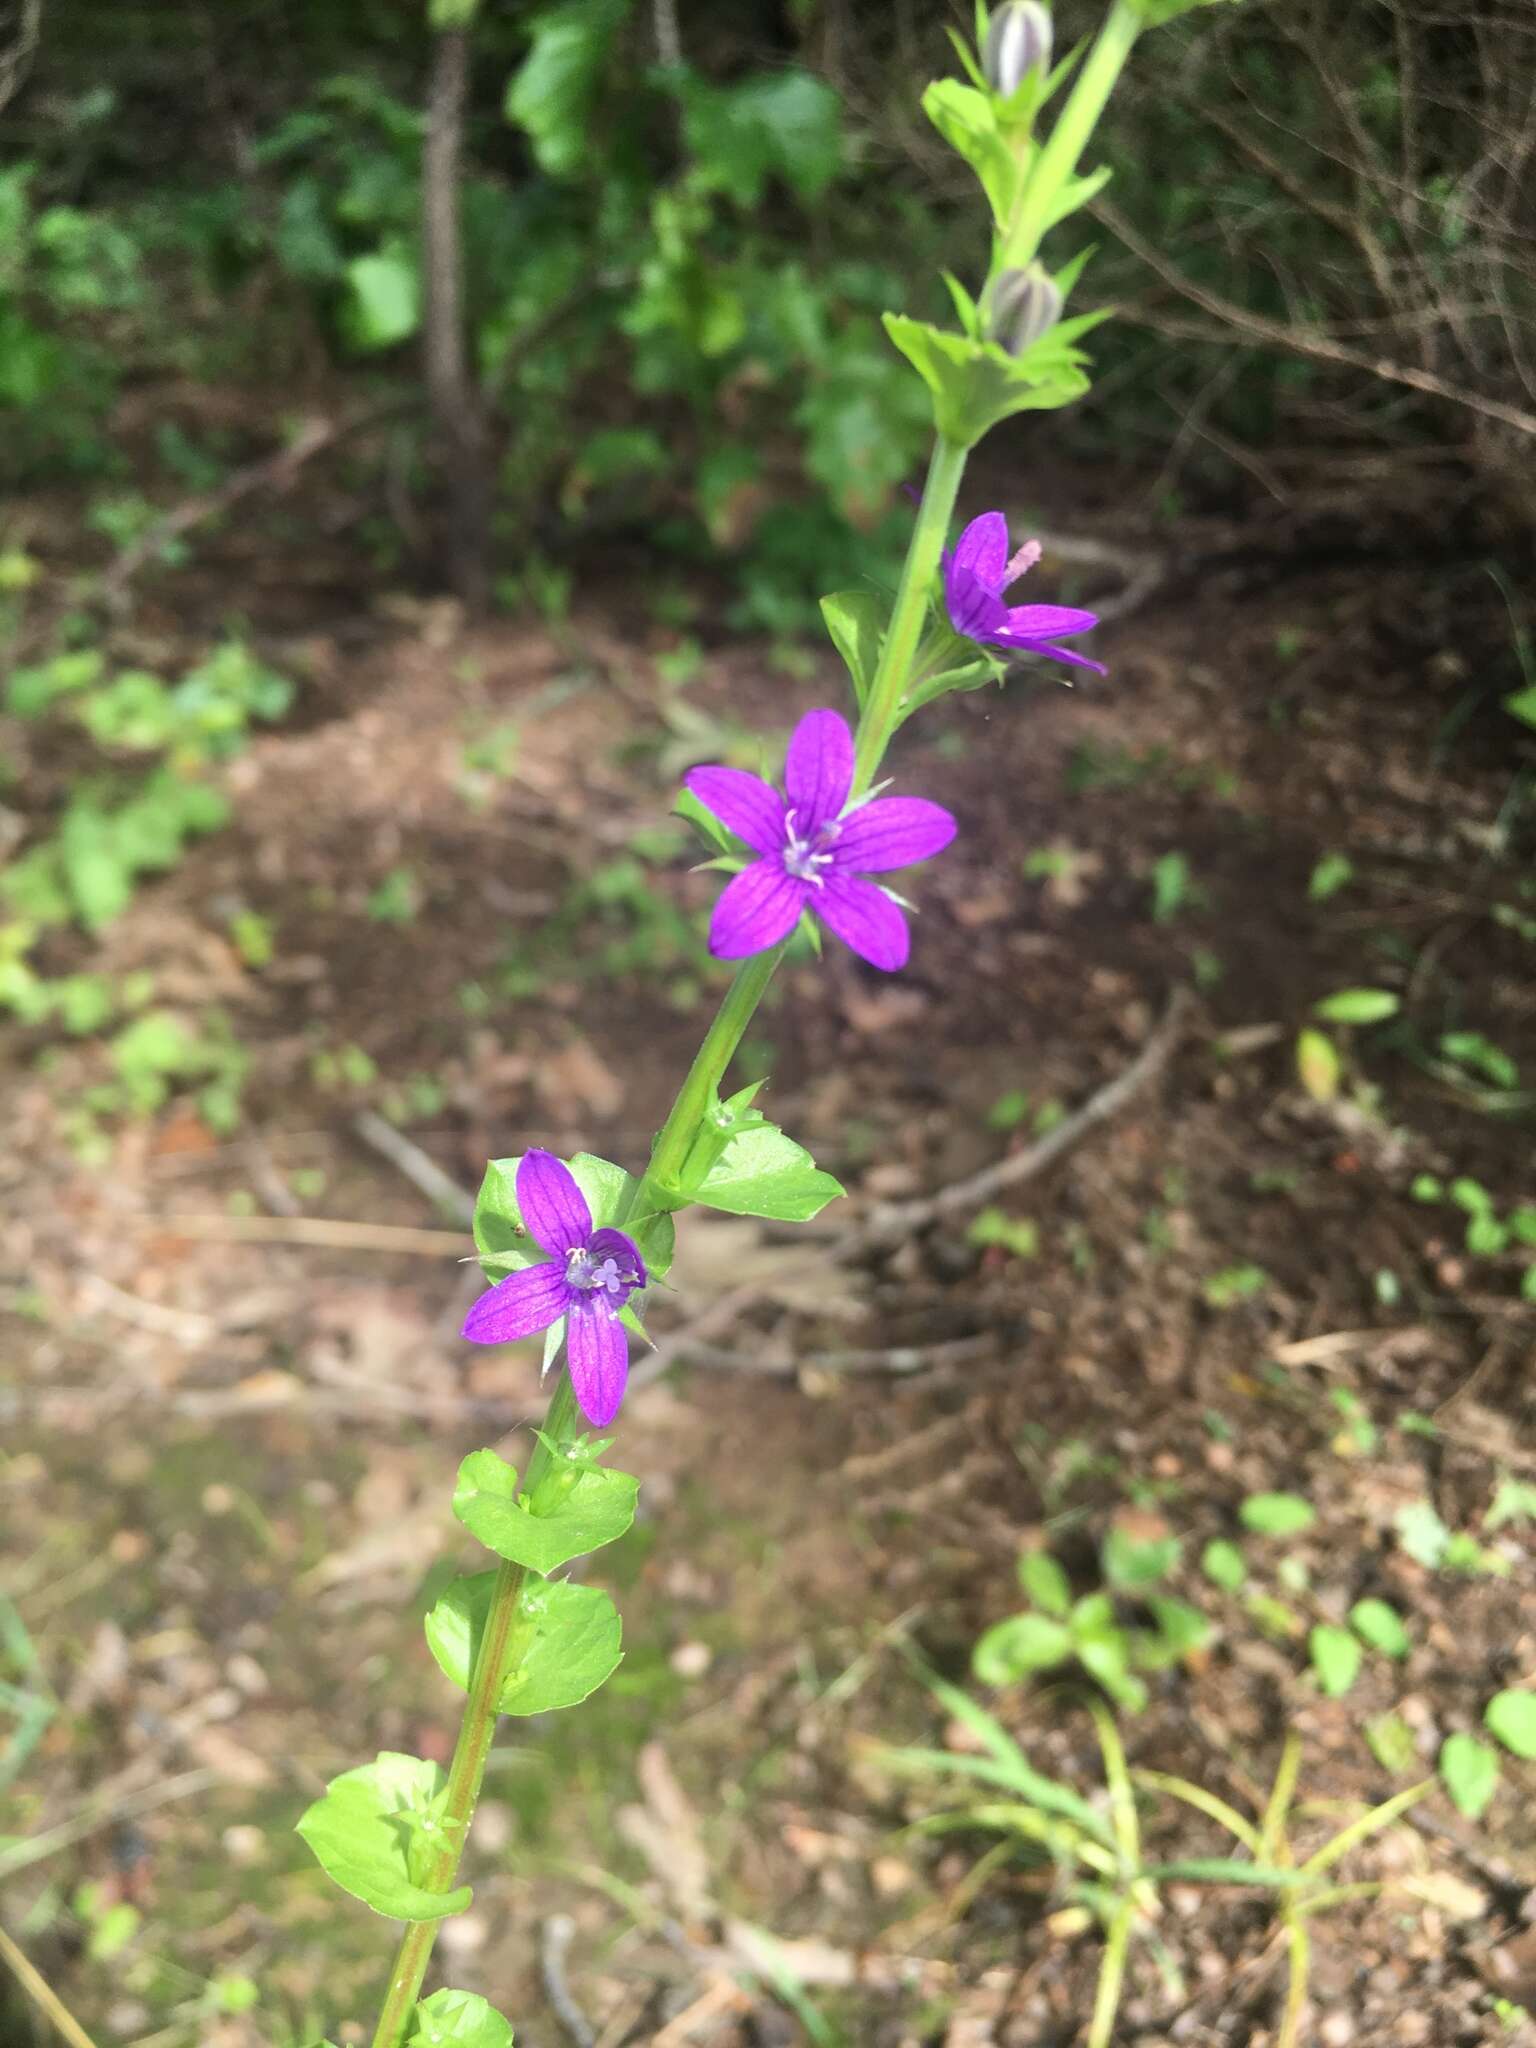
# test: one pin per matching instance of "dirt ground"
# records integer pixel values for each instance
(230, 1433)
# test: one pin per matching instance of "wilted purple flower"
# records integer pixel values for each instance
(979, 570)
(588, 1277)
(815, 848)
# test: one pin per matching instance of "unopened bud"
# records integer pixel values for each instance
(1018, 42)
(1025, 304)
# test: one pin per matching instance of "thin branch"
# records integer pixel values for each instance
(335, 1233)
(1304, 341)
(275, 472)
(419, 1169)
(894, 1221)
(43, 1995)
(16, 62)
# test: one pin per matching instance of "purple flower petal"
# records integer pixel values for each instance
(1066, 654)
(597, 1354)
(553, 1207)
(743, 802)
(755, 910)
(1044, 621)
(866, 919)
(975, 611)
(891, 832)
(519, 1306)
(608, 1243)
(982, 549)
(818, 769)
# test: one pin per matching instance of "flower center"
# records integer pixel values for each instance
(806, 854)
(586, 1270)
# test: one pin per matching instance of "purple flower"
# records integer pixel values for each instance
(977, 573)
(588, 1277)
(816, 848)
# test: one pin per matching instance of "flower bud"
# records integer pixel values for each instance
(1018, 42)
(1025, 303)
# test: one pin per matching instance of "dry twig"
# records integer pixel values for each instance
(894, 1221)
(419, 1169)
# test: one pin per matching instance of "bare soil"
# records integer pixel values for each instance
(228, 1458)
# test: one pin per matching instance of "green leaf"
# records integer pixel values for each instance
(1511, 1718)
(1276, 1514)
(1335, 1658)
(967, 120)
(565, 1642)
(1357, 1006)
(1104, 1651)
(458, 2019)
(1329, 876)
(1486, 1236)
(1470, 1772)
(504, 1243)
(1182, 1628)
(552, 93)
(1234, 1284)
(1380, 1625)
(1012, 1649)
(974, 384)
(1045, 1582)
(763, 1173)
(373, 1831)
(784, 123)
(1391, 1743)
(1513, 1501)
(856, 621)
(1422, 1534)
(1317, 1064)
(578, 1506)
(1523, 705)
(1224, 1565)
(1133, 1561)
(384, 306)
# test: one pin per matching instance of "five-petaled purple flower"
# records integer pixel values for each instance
(977, 572)
(815, 848)
(588, 1277)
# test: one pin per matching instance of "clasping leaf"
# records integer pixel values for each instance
(566, 1642)
(374, 1830)
(577, 1506)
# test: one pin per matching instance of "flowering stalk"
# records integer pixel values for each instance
(659, 1188)
(567, 1245)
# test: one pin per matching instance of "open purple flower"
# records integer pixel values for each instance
(815, 849)
(977, 572)
(587, 1278)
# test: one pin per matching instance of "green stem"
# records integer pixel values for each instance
(1058, 159)
(1300, 1944)
(910, 611)
(1106, 2001)
(660, 1187)
(467, 1771)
